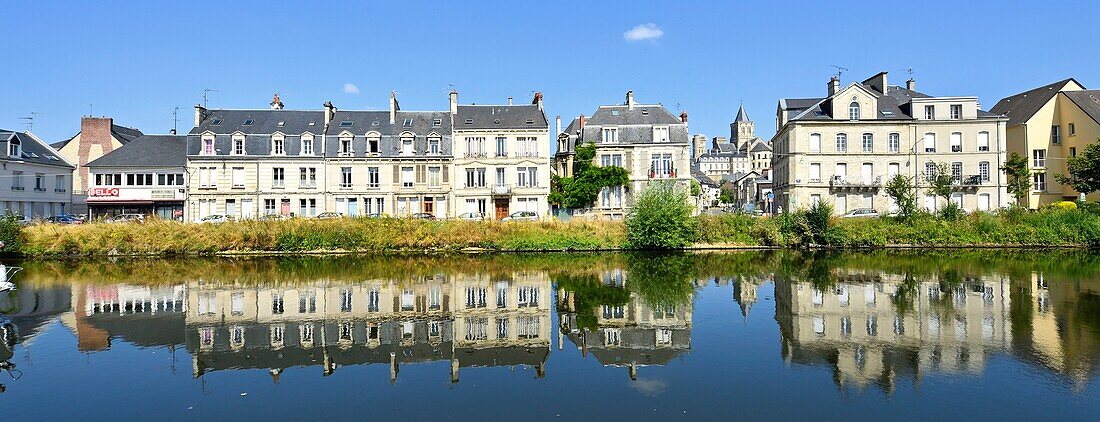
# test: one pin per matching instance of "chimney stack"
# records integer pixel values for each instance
(834, 85)
(200, 114)
(536, 101)
(581, 123)
(684, 117)
(911, 84)
(393, 107)
(629, 100)
(173, 131)
(557, 125)
(453, 98)
(276, 103)
(509, 100)
(330, 111)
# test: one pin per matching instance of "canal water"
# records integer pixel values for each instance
(1007, 335)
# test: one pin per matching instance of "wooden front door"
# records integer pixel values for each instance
(501, 206)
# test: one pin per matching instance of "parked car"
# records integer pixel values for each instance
(373, 215)
(522, 216)
(860, 213)
(64, 219)
(127, 218)
(423, 216)
(471, 216)
(328, 215)
(216, 219)
(272, 217)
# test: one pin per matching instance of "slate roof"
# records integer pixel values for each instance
(635, 125)
(761, 147)
(293, 122)
(892, 105)
(1088, 100)
(641, 114)
(500, 117)
(147, 151)
(122, 133)
(1022, 106)
(741, 115)
(34, 150)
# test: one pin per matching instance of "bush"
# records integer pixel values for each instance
(10, 230)
(951, 212)
(661, 218)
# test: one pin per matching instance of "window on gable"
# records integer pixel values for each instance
(853, 111)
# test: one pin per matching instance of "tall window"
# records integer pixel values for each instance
(475, 147)
(930, 112)
(660, 165)
(433, 146)
(956, 142)
(815, 172)
(610, 135)
(433, 177)
(373, 142)
(1039, 158)
(929, 171)
(14, 148)
(238, 145)
(983, 141)
(406, 177)
(278, 177)
(277, 145)
(868, 142)
(815, 142)
(345, 146)
(345, 177)
(956, 172)
(307, 177)
(307, 145)
(1055, 134)
(956, 111)
(895, 142)
(841, 142)
(853, 111)
(1039, 181)
(1072, 129)
(208, 146)
(983, 170)
(238, 177)
(660, 134)
(373, 180)
(502, 146)
(929, 142)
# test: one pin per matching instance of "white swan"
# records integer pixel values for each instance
(6, 286)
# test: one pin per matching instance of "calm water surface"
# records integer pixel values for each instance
(702, 336)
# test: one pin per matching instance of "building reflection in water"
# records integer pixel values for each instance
(873, 327)
(470, 320)
(618, 327)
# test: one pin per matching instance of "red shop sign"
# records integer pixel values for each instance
(103, 192)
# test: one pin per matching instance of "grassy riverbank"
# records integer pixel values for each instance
(1051, 227)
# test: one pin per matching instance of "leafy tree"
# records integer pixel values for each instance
(940, 184)
(696, 189)
(661, 218)
(581, 190)
(900, 189)
(1084, 171)
(727, 195)
(1019, 178)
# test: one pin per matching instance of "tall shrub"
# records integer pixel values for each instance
(10, 228)
(661, 218)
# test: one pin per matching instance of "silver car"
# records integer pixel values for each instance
(860, 213)
(471, 216)
(522, 216)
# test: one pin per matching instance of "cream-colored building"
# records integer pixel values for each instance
(37, 180)
(645, 139)
(98, 136)
(1047, 125)
(742, 153)
(871, 339)
(843, 148)
(502, 158)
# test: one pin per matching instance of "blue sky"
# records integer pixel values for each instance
(137, 61)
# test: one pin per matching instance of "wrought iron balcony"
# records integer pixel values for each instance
(502, 190)
(840, 183)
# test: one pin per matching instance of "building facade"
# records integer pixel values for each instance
(145, 176)
(1047, 125)
(742, 152)
(98, 136)
(39, 179)
(844, 147)
(502, 159)
(645, 139)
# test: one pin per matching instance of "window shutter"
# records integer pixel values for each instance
(420, 173)
(628, 161)
(396, 175)
(445, 172)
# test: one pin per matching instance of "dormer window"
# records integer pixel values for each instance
(278, 145)
(645, 111)
(610, 135)
(660, 134)
(407, 145)
(433, 145)
(956, 111)
(248, 122)
(374, 142)
(207, 146)
(15, 149)
(307, 145)
(238, 145)
(345, 146)
(853, 111)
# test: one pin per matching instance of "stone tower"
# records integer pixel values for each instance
(742, 130)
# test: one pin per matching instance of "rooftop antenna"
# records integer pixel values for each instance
(89, 110)
(30, 120)
(205, 93)
(175, 118)
(839, 70)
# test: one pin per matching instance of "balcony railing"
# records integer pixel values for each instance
(502, 190)
(971, 182)
(840, 183)
(476, 155)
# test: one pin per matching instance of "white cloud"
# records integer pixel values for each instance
(351, 89)
(648, 31)
(649, 387)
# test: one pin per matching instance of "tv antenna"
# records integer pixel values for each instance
(839, 70)
(205, 93)
(175, 118)
(30, 120)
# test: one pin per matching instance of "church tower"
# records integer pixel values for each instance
(742, 130)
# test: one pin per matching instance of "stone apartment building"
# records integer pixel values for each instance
(646, 139)
(249, 163)
(37, 180)
(843, 147)
(1047, 125)
(502, 158)
(741, 153)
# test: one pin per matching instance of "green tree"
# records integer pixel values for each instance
(1084, 171)
(696, 188)
(940, 184)
(900, 189)
(661, 218)
(581, 190)
(727, 195)
(1019, 178)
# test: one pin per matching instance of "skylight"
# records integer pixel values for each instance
(437, 122)
(469, 121)
(374, 123)
(530, 121)
(408, 122)
(312, 123)
(645, 111)
(248, 122)
(496, 121)
(888, 113)
(346, 123)
(216, 122)
(614, 112)
(281, 123)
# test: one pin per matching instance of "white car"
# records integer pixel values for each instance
(860, 213)
(471, 216)
(522, 216)
(216, 219)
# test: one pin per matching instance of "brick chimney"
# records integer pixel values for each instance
(557, 125)
(537, 100)
(629, 100)
(95, 142)
(453, 98)
(394, 106)
(276, 103)
(580, 124)
(834, 85)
